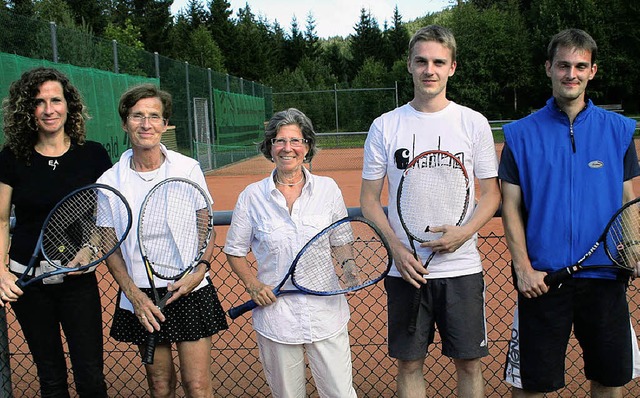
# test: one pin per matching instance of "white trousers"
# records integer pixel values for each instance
(329, 360)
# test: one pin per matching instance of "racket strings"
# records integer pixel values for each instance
(432, 196)
(344, 258)
(174, 227)
(78, 232)
(623, 237)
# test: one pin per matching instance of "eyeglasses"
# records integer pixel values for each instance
(294, 142)
(153, 119)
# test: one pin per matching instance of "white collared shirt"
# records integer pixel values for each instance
(134, 189)
(261, 223)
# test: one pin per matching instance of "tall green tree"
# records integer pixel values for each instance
(222, 26)
(618, 50)
(366, 42)
(93, 13)
(335, 54)
(492, 67)
(396, 38)
(57, 11)
(398, 35)
(364, 106)
(312, 46)
(295, 46)
(153, 17)
(195, 13)
(252, 58)
(203, 51)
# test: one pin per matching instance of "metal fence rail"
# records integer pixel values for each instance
(236, 369)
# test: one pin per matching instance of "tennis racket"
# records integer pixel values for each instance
(78, 232)
(174, 230)
(621, 239)
(433, 191)
(346, 256)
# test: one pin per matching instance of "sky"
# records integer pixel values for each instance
(332, 17)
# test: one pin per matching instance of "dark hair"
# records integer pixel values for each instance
(572, 38)
(131, 97)
(284, 118)
(20, 125)
(435, 33)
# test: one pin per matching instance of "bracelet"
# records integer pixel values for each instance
(347, 260)
(93, 248)
(207, 265)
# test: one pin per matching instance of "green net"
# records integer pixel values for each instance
(239, 118)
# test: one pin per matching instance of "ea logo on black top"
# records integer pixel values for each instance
(596, 164)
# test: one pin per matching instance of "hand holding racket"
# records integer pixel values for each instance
(433, 191)
(346, 256)
(174, 230)
(621, 238)
(79, 232)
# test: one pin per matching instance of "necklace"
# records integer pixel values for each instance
(133, 167)
(287, 184)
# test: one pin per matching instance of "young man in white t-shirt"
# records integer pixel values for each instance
(453, 293)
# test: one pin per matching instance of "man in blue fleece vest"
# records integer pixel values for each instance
(565, 170)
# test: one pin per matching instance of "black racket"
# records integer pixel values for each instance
(174, 230)
(346, 256)
(433, 191)
(78, 232)
(621, 238)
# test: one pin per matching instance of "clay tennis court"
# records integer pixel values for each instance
(236, 371)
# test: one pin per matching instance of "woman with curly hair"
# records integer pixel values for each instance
(46, 156)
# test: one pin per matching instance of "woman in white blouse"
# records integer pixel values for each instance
(274, 218)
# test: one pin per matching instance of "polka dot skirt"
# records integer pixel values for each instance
(191, 318)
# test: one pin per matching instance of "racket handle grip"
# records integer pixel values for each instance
(556, 278)
(150, 349)
(241, 309)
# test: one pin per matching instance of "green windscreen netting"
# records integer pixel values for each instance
(101, 91)
(239, 118)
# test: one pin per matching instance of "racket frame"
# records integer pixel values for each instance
(60, 269)
(150, 344)
(558, 277)
(413, 237)
(237, 311)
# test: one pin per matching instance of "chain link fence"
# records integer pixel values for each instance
(189, 85)
(236, 370)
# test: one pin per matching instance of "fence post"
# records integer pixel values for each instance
(116, 68)
(54, 41)
(212, 119)
(335, 102)
(156, 59)
(6, 390)
(189, 113)
(396, 84)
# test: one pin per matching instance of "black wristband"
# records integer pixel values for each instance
(207, 265)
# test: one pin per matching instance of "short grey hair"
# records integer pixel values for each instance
(285, 118)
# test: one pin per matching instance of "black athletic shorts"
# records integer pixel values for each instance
(597, 310)
(455, 305)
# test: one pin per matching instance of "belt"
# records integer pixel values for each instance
(18, 268)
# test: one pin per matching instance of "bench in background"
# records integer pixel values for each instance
(612, 107)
